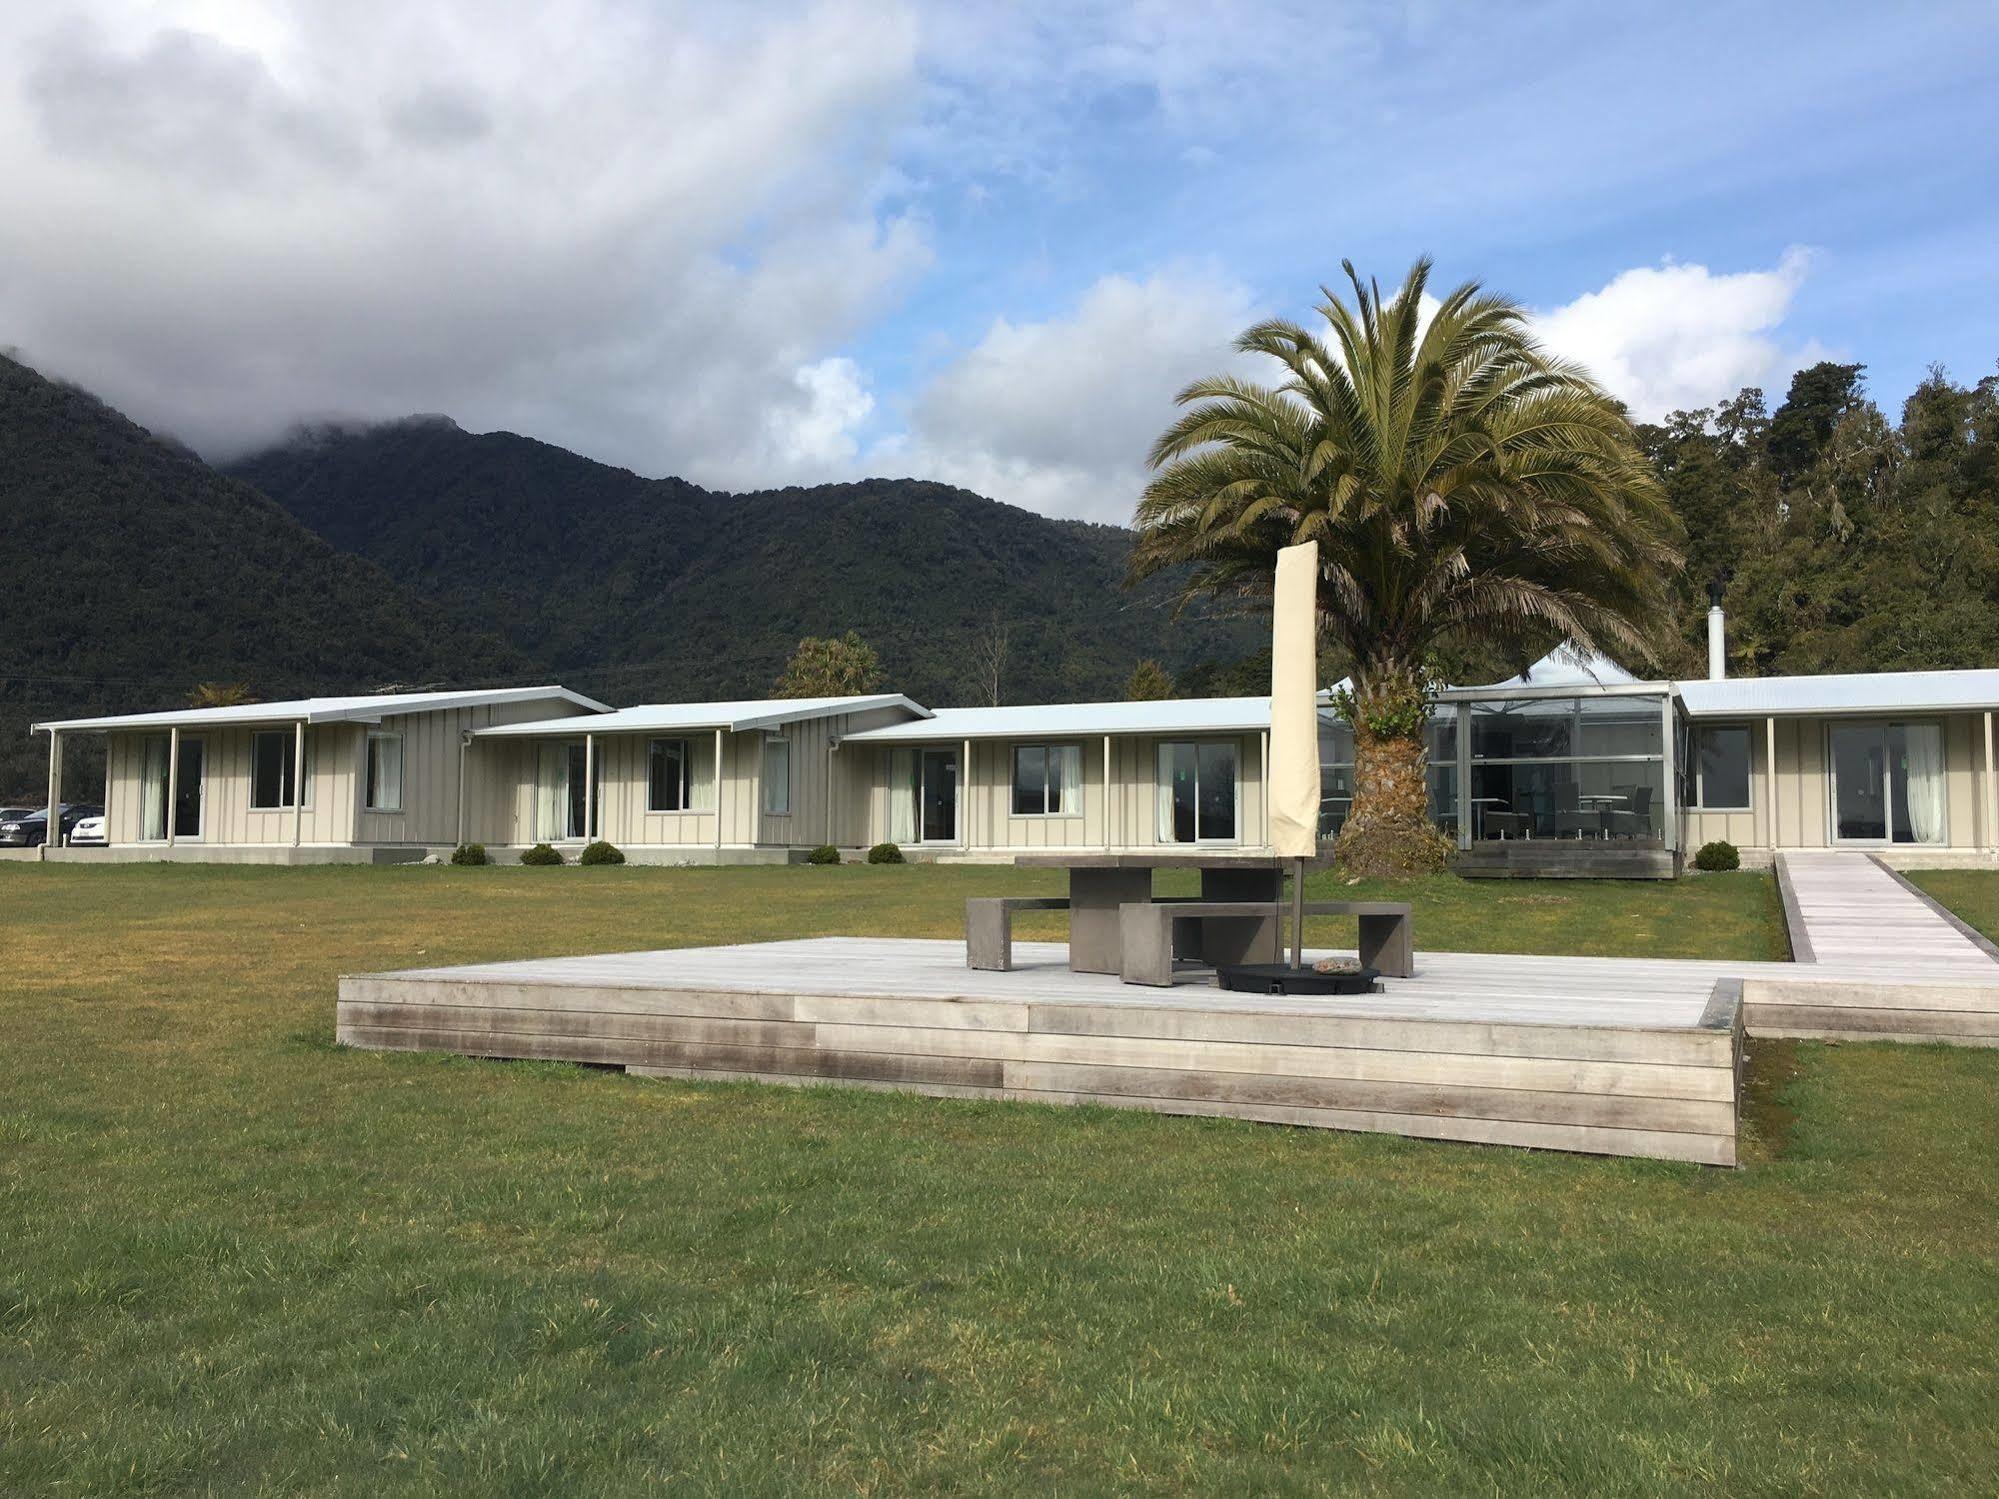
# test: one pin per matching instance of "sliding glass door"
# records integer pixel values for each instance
(1887, 782)
(560, 779)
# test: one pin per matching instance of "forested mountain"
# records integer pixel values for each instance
(637, 589)
(134, 571)
(1847, 542)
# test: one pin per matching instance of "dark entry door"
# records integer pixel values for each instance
(937, 806)
(187, 790)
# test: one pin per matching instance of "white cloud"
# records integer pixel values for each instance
(820, 433)
(1676, 337)
(631, 227)
(1057, 415)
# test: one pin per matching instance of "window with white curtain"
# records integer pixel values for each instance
(1047, 780)
(153, 788)
(902, 796)
(385, 771)
(777, 777)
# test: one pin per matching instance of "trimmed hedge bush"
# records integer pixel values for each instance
(602, 852)
(470, 853)
(541, 853)
(825, 853)
(885, 853)
(1717, 856)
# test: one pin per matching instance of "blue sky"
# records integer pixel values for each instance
(983, 244)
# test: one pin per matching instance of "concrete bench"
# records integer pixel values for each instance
(1250, 932)
(989, 927)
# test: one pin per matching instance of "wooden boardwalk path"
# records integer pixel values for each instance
(1855, 913)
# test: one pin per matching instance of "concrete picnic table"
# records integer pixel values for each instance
(1099, 884)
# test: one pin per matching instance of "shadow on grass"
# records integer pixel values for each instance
(1769, 1109)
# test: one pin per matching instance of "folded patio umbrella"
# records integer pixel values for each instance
(1294, 720)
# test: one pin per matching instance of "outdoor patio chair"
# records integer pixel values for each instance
(1634, 819)
(1570, 816)
(1507, 824)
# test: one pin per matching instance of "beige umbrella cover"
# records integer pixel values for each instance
(1294, 704)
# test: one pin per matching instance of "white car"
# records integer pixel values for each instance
(89, 831)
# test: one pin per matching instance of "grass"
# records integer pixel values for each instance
(1973, 894)
(235, 1258)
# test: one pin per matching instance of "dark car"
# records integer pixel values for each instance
(31, 829)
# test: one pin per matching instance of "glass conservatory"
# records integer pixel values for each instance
(1567, 751)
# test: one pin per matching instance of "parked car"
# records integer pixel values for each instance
(32, 830)
(88, 832)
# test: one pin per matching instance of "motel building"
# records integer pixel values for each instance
(1572, 768)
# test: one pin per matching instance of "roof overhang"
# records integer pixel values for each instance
(318, 711)
(687, 718)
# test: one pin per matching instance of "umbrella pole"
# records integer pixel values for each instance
(1298, 914)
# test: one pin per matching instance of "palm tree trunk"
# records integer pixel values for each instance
(1389, 833)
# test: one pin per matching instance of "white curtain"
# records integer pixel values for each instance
(1924, 744)
(1065, 779)
(701, 775)
(153, 789)
(551, 793)
(1165, 829)
(902, 796)
(386, 764)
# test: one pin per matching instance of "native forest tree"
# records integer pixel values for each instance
(835, 666)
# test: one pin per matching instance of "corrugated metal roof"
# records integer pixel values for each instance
(1851, 692)
(367, 708)
(1200, 715)
(749, 713)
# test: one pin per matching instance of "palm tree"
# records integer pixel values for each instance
(1462, 484)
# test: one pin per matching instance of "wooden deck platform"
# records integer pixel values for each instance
(1604, 1055)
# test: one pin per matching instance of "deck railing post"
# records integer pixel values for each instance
(173, 779)
(464, 747)
(298, 782)
(1669, 823)
(1110, 798)
(1991, 788)
(715, 789)
(52, 833)
(1770, 778)
(1465, 807)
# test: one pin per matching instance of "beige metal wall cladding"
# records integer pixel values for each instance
(336, 789)
(1792, 810)
(986, 801)
(828, 800)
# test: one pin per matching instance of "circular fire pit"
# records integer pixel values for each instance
(1282, 978)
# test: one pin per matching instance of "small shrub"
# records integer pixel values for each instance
(885, 853)
(1718, 856)
(601, 852)
(541, 853)
(470, 853)
(825, 853)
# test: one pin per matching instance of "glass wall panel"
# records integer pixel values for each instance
(1581, 767)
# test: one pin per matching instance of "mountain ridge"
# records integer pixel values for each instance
(634, 587)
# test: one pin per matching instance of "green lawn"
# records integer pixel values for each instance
(234, 1257)
(1972, 893)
